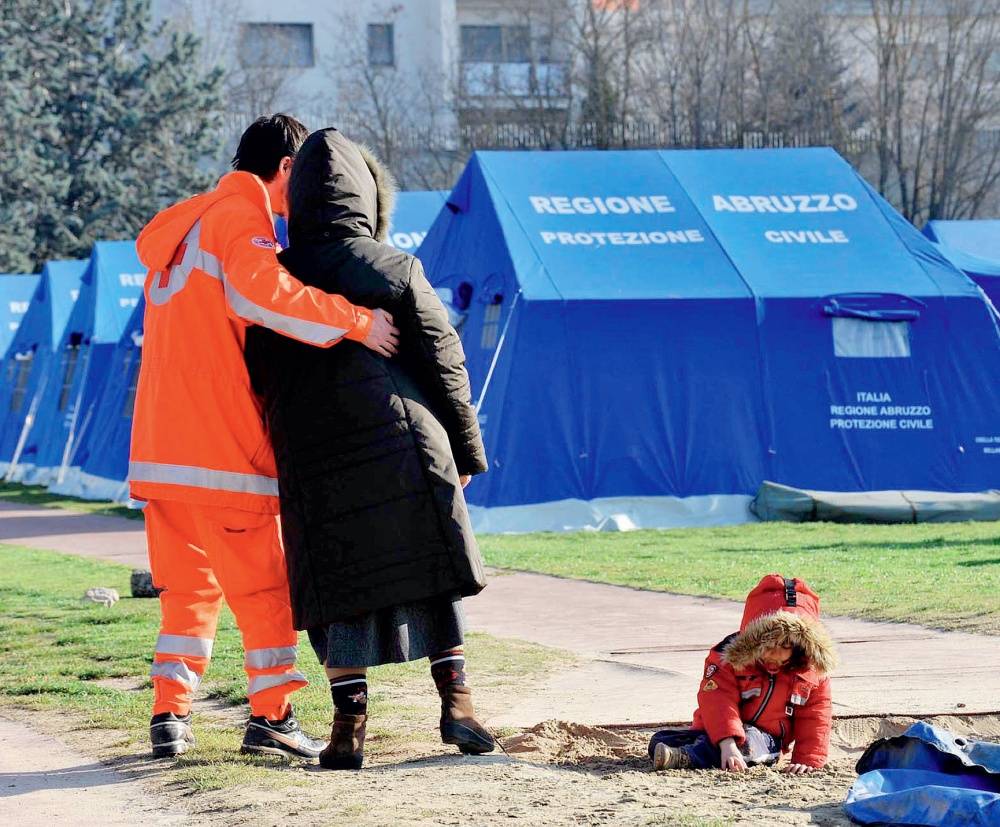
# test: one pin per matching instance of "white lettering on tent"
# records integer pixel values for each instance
(19, 307)
(624, 238)
(872, 415)
(131, 279)
(820, 202)
(605, 205)
(990, 444)
(74, 294)
(126, 302)
(806, 236)
(406, 241)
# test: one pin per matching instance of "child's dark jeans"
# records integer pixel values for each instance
(759, 747)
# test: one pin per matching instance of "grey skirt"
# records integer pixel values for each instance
(396, 634)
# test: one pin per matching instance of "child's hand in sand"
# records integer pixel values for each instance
(799, 769)
(732, 759)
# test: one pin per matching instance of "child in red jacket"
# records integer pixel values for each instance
(765, 689)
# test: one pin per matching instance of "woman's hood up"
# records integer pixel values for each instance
(338, 190)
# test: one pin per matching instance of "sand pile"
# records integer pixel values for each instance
(566, 742)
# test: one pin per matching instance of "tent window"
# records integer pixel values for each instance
(864, 339)
(491, 327)
(70, 359)
(129, 407)
(22, 372)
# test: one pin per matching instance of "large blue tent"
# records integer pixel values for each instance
(29, 356)
(109, 292)
(650, 335)
(974, 248)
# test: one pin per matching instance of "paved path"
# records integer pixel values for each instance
(64, 787)
(641, 651)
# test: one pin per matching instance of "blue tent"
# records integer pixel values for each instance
(974, 248)
(650, 335)
(16, 290)
(109, 292)
(29, 355)
(100, 469)
(412, 217)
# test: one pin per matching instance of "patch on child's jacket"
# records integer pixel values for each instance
(799, 700)
(750, 693)
(260, 241)
(710, 686)
(710, 670)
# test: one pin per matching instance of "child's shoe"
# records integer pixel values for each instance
(670, 758)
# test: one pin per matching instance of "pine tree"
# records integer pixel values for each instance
(106, 119)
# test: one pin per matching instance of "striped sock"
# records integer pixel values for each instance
(448, 669)
(350, 694)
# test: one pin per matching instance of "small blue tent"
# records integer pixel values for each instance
(650, 335)
(412, 217)
(109, 292)
(974, 248)
(100, 470)
(29, 356)
(16, 290)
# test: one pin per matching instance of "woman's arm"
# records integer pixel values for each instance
(437, 352)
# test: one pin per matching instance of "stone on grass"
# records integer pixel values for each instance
(99, 594)
(142, 584)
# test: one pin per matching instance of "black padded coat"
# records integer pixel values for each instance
(369, 449)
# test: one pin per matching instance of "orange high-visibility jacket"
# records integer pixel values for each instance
(197, 432)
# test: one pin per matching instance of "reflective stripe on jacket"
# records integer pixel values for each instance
(198, 435)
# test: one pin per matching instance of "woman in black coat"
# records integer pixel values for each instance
(372, 455)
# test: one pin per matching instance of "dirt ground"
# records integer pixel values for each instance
(557, 773)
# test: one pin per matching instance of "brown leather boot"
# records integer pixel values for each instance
(346, 750)
(458, 722)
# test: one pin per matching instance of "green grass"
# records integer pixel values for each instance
(54, 648)
(39, 495)
(942, 575)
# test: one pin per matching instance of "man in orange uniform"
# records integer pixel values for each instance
(200, 454)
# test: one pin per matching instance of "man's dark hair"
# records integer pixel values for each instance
(266, 141)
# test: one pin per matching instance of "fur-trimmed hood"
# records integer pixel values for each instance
(782, 611)
(338, 190)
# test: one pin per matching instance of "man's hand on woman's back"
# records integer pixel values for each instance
(382, 336)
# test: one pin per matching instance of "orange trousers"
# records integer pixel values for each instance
(198, 556)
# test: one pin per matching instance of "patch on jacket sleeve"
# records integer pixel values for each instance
(710, 670)
(264, 243)
(750, 693)
(710, 686)
(799, 700)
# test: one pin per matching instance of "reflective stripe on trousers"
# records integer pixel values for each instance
(271, 657)
(176, 670)
(196, 477)
(259, 683)
(199, 647)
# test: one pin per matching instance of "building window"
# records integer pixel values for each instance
(496, 44)
(277, 45)
(381, 45)
(70, 358)
(23, 362)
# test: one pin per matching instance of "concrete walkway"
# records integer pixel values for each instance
(64, 787)
(641, 652)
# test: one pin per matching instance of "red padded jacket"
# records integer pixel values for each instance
(793, 704)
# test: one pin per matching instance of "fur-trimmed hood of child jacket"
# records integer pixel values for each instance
(793, 704)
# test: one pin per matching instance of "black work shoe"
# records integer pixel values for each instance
(170, 734)
(283, 737)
